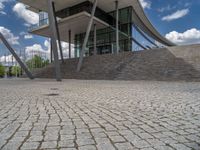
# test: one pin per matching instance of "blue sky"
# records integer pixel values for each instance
(179, 16)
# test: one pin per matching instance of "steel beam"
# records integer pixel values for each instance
(87, 36)
(54, 37)
(95, 39)
(117, 26)
(12, 51)
(58, 33)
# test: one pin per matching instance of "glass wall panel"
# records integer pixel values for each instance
(43, 18)
(106, 38)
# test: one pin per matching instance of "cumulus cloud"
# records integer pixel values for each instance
(29, 16)
(1, 6)
(28, 36)
(9, 36)
(176, 15)
(65, 48)
(27, 24)
(3, 13)
(47, 44)
(191, 36)
(36, 49)
(7, 60)
(166, 8)
(145, 4)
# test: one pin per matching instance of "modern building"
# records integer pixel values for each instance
(92, 26)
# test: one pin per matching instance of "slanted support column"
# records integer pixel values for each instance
(117, 26)
(70, 45)
(12, 51)
(95, 39)
(87, 36)
(58, 33)
(54, 37)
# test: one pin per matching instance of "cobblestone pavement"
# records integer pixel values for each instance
(103, 115)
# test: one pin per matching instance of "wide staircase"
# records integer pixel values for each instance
(181, 63)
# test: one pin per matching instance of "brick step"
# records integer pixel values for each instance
(157, 64)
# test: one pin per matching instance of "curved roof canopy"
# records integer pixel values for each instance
(139, 19)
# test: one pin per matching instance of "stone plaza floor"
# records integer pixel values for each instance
(103, 115)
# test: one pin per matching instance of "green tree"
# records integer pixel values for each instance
(2, 71)
(16, 71)
(37, 62)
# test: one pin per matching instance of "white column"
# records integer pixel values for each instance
(87, 36)
(54, 38)
(58, 33)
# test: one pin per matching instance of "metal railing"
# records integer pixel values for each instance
(39, 25)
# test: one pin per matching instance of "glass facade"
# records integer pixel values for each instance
(87, 7)
(43, 18)
(106, 38)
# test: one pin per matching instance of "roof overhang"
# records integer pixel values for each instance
(76, 23)
(106, 5)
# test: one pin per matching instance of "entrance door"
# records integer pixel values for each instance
(106, 49)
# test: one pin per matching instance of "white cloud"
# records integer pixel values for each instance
(9, 36)
(3, 13)
(47, 44)
(29, 16)
(176, 15)
(2, 6)
(27, 25)
(167, 8)
(191, 36)
(65, 48)
(28, 36)
(22, 33)
(7, 59)
(36, 49)
(145, 4)
(2, 3)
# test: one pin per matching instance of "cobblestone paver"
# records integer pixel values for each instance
(103, 115)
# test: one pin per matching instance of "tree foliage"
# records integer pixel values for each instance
(16, 71)
(37, 62)
(2, 71)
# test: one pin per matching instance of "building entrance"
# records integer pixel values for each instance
(105, 49)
